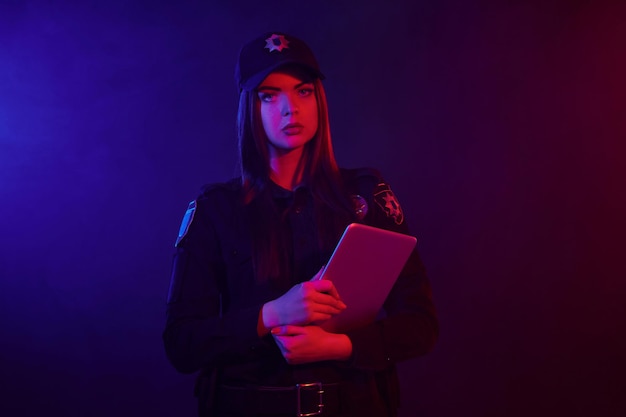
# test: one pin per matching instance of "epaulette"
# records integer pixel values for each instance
(231, 185)
(353, 174)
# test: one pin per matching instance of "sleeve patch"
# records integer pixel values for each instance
(187, 219)
(386, 199)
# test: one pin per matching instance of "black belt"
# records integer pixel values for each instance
(301, 400)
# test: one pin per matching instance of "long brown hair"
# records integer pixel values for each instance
(320, 173)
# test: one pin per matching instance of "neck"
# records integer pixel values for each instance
(286, 167)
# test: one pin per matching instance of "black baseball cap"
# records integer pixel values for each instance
(258, 58)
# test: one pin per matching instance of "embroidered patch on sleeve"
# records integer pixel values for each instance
(187, 219)
(387, 201)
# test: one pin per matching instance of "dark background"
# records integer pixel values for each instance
(500, 126)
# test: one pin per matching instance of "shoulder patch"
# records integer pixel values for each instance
(386, 199)
(187, 219)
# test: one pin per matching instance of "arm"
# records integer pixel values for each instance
(203, 324)
(410, 327)
(199, 329)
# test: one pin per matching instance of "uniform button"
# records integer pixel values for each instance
(298, 210)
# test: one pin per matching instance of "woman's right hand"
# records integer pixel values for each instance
(309, 302)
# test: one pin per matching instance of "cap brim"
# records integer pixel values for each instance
(254, 81)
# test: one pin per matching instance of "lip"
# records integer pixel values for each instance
(292, 128)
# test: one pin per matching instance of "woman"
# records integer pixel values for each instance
(244, 305)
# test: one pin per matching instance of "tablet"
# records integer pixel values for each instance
(363, 267)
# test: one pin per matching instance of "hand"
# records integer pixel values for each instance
(311, 344)
(309, 302)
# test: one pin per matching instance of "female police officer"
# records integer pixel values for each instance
(242, 308)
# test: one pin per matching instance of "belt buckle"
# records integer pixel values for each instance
(310, 386)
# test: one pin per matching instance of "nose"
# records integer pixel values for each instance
(288, 106)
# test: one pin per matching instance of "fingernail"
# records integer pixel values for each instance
(275, 330)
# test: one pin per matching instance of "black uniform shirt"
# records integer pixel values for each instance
(214, 300)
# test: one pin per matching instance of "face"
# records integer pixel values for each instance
(288, 112)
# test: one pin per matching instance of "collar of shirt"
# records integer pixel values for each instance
(297, 198)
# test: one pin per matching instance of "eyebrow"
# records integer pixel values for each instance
(269, 87)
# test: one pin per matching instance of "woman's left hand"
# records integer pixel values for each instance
(305, 344)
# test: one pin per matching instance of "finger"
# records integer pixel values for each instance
(327, 287)
(322, 285)
(328, 300)
(324, 312)
(288, 330)
(278, 331)
(319, 318)
(321, 292)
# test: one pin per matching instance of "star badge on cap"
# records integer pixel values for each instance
(276, 43)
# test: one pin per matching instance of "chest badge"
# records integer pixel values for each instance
(359, 205)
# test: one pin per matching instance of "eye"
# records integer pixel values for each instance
(266, 97)
(305, 91)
